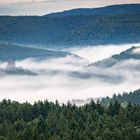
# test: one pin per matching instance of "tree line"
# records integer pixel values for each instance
(71, 30)
(125, 98)
(52, 121)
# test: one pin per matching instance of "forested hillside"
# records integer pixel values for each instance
(133, 97)
(132, 53)
(71, 30)
(49, 121)
(107, 10)
(15, 52)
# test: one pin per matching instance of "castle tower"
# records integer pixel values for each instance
(10, 65)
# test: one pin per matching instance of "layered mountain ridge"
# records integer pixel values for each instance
(107, 10)
(74, 29)
(16, 52)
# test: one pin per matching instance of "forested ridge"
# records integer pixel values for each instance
(51, 121)
(118, 58)
(125, 98)
(107, 10)
(71, 30)
(18, 52)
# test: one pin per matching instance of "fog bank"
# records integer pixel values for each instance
(68, 78)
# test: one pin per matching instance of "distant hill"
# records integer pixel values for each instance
(108, 10)
(132, 53)
(115, 69)
(15, 52)
(75, 30)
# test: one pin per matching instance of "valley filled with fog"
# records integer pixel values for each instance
(69, 70)
(73, 76)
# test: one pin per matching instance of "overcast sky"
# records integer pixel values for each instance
(95, 1)
(12, 1)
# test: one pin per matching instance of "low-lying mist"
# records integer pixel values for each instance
(100, 52)
(68, 78)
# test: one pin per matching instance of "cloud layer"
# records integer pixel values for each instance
(67, 78)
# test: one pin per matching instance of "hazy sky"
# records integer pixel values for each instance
(95, 1)
(12, 1)
(42, 7)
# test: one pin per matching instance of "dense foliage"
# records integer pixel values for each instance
(125, 98)
(71, 30)
(49, 121)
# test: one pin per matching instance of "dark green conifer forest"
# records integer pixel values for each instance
(51, 121)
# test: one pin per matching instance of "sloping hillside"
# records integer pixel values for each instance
(72, 30)
(18, 52)
(108, 10)
(132, 53)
